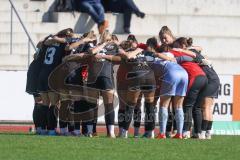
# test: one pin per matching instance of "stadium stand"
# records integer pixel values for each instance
(219, 34)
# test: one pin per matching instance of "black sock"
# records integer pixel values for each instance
(77, 125)
(121, 118)
(52, 119)
(62, 124)
(95, 127)
(197, 119)
(70, 126)
(187, 118)
(109, 114)
(204, 125)
(37, 115)
(137, 117)
(43, 112)
(128, 116)
(209, 126)
(149, 117)
(84, 128)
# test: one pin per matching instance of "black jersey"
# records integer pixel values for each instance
(53, 56)
(208, 70)
(141, 62)
(35, 68)
(103, 68)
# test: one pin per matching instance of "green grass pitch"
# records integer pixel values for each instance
(32, 147)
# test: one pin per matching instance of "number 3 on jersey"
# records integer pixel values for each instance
(50, 55)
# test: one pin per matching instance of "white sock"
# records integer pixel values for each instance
(209, 131)
(125, 133)
(111, 129)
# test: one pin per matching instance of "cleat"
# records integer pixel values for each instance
(89, 135)
(52, 133)
(111, 136)
(186, 135)
(148, 134)
(124, 134)
(208, 136)
(161, 136)
(168, 135)
(178, 136)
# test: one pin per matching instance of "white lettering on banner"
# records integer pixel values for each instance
(222, 109)
(226, 132)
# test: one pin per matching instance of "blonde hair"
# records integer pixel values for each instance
(106, 35)
(165, 30)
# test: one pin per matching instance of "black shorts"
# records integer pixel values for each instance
(194, 93)
(211, 90)
(141, 80)
(43, 82)
(102, 83)
(36, 95)
(32, 77)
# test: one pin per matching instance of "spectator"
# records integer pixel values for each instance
(64, 5)
(127, 7)
(95, 9)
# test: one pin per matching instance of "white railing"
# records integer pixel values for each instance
(30, 41)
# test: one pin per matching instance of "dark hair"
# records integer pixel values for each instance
(126, 45)
(114, 37)
(64, 32)
(190, 41)
(178, 43)
(152, 42)
(132, 37)
(164, 48)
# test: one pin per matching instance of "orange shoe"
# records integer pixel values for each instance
(178, 136)
(102, 27)
(161, 136)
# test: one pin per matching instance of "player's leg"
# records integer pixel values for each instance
(108, 99)
(92, 96)
(132, 98)
(149, 113)
(37, 112)
(43, 111)
(207, 117)
(179, 115)
(52, 113)
(163, 115)
(122, 96)
(64, 114)
(137, 117)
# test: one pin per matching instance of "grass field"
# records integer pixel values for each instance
(27, 147)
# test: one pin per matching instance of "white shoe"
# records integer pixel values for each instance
(152, 135)
(202, 135)
(112, 135)
(208, 135)
(186, 135)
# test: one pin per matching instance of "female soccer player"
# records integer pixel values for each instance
(139, 78)
(173, 81)
(210, 92)
(197, 81)
(100, 78)
(53, 57)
